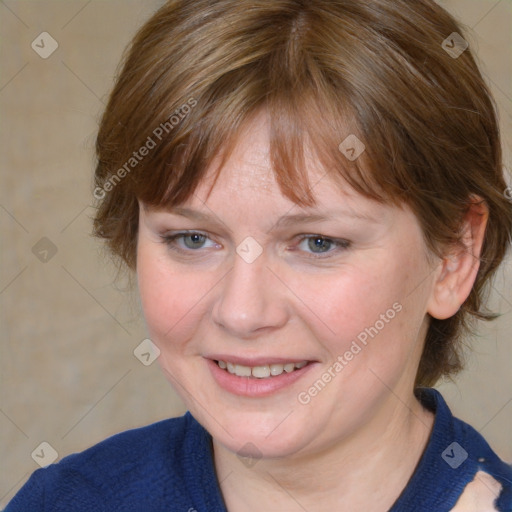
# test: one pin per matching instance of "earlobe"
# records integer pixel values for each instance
(457, 271)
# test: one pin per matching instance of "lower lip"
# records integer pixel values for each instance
(254, 387)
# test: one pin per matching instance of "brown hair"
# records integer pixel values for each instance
(323, 70)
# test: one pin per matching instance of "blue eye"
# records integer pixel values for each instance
(317, 246)
(191, 240)
(320, 245)
(196, 240)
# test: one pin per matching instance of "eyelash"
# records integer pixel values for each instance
(170, 242)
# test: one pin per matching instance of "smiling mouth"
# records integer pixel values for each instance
(260, 372)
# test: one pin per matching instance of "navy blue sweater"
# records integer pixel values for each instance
(168, 466)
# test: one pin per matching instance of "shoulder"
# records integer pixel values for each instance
(482, 495)
(490, 488)
(130, 451)
(135, 445)
(128, 468)
(460, 464)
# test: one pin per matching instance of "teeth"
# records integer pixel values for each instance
(242, 371)
(260, 372)
(276, 369)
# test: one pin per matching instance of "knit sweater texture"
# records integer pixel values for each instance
(168, 466)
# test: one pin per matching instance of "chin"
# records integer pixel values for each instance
(252, 436)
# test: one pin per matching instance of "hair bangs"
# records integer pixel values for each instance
(310, 125)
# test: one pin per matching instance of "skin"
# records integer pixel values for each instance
(357, 442)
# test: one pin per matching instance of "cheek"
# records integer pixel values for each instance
(345, 305)
(372, 307)
(171, 299)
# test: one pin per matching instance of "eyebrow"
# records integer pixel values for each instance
(285, 220)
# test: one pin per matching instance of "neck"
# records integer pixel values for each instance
(366, 470)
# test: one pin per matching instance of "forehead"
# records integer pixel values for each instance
(247, 176)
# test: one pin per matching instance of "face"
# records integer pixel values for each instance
(320, 312)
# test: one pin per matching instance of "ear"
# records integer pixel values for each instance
(457, 271)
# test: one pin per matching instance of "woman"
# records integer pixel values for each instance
(311, 196)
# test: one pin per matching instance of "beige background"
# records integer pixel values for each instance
(68, 373)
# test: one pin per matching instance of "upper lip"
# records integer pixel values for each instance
(255, 361)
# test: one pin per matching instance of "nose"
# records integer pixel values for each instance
(251, 299)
